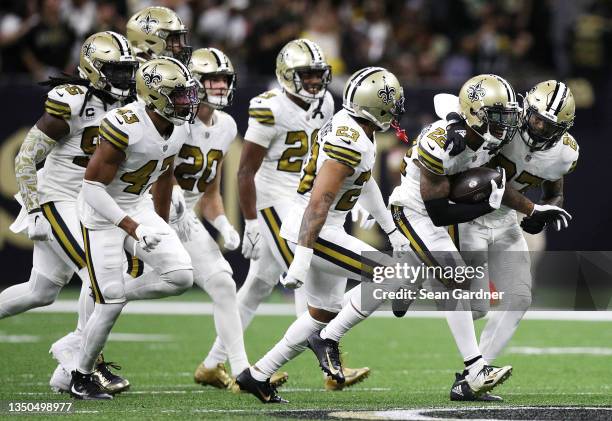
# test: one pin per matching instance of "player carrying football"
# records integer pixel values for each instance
(541, 154)
(337, 174)
(65, 137)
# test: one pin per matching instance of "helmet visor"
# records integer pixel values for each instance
(502, 121)
(178, 47)
(185, 102)
(120, 75)
(314, 79)
(542, 129)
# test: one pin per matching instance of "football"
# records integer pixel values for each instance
(473, 185)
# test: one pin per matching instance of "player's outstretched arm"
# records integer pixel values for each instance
(435, 190)
(326, 186)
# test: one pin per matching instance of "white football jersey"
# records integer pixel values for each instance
(429, 151)
(147, 156)
(526, 169)
(342, 140)
(62, 176)
(196, 164)
(287, 131)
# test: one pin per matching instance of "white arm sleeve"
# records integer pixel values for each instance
(97, 197)
(371, 199)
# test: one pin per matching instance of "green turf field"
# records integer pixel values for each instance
(412, 362)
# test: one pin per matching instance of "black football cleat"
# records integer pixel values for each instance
(83, 386)
(263, 391)
(110, 382)
(328, 354)
(460, 391)
(400, 306)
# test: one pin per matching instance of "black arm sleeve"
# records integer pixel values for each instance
(443, 213)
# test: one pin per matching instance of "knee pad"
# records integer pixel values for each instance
(220, 286)
(182, 279)
(43, 290)
(113, 292)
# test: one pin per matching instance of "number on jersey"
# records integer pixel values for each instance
(185, 172)
(293, 157)
(139, 179)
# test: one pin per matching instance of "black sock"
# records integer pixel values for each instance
(472, 361)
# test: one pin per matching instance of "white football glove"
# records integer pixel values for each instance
(179, 220)
(39, 228)
(398, 241)
(251, 241)
(148, 237)
(295, 276)
(551, 215)
(497, 192)
(358, 213)
(231, 238)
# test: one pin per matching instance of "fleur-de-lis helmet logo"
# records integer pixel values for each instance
(476, 92)
(151, 78)
(386, 93)
(147, 23)
(88, 49)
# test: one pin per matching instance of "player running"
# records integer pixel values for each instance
(137, 147)
(541, 154)
(337, 174)
(65, 137)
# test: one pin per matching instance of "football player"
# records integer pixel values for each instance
(541, 154)
(283, 124)
(421, 209)
(198, 173)
(323, 255)
(66, 135)
(158, 31)
(137, 147)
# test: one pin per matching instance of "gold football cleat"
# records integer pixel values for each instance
(216, 377)
(352, 376)
(110, 382)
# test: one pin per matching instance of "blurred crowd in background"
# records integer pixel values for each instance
(431, 42)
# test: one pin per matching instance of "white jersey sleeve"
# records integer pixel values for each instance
(262, 129)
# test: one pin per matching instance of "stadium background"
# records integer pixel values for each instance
(432, 45)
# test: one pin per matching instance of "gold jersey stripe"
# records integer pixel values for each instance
(65, 239)
(431, 167)
(61, 114)
(118, 134)
(431, 158)
(273, 222)
(341, 256)
(339, 154)
(57, 104)
(98, 298)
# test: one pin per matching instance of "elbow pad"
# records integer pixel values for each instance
(443, 213)
(97, 197)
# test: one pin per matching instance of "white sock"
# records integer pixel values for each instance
(96, 333)
(249, 296)
(86, 301)
(349, 316)
(462, 327)
(289, 347)
(152, 285)
(222, 289)
(499, 329)
(37, 292)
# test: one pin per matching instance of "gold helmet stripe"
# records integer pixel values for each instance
(509, 90)
(118, 40)
(217, 56)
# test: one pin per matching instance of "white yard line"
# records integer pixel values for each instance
(532, 350)
(198, 308)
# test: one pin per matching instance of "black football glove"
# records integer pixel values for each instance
(532, 226)
(455, 134)
(551, 215)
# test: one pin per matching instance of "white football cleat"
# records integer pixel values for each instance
(60, 380)
(487, 378)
